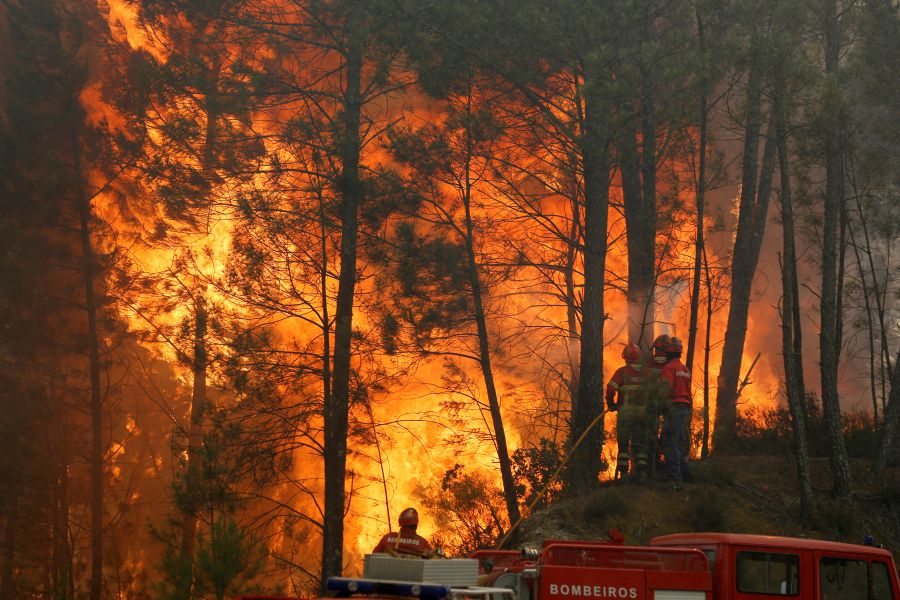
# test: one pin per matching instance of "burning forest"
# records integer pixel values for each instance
(275, 270)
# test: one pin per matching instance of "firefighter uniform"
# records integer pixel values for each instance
(677, 419)
(658, 392)
(631, 427)
(406, 541)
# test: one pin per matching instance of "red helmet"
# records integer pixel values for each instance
(676, 346)
(661, 342)
(409, 517)
(659, 351)
(631, 353)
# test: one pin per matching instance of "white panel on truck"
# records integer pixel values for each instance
(447, 571)
(678, 595)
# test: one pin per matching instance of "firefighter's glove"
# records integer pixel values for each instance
(612, 405)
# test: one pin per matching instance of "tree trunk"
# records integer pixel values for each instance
(336, 411)
(750, 230)
(195, 443)
(889, 428)
(879, 295)
(794, 386)
(572, 308)
(638, 170)
(870, 326)
(88, 273)
(640, 232)
(707, 347)
(484, 353)
(700, 195)
(509, 484)
(62, 584)
(828, 336)
(199, 366)
(585, 463)
(647, 262)
(10, 543)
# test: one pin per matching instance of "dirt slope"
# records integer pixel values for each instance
(756, 494)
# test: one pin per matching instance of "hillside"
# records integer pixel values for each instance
(755, 494)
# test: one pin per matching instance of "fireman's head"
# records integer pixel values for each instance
(632, 356)
(660, 349)
(409, 518)
(675, 347)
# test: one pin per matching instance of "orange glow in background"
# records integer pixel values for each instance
(418, 444)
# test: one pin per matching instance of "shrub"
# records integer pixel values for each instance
(706, 512)
(763, 430)
(605, 504)
(532, 469)
(465, 510)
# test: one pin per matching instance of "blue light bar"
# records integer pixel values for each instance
(345, 586)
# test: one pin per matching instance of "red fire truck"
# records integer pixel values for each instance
(751, 567)
(703, 566)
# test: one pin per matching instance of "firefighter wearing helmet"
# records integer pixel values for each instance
(660, 351)
(677, 415)
(631, 426)
(658, 392)
(406, 541)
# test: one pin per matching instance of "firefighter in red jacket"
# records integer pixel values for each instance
(406, 541)
(677, 415)
(631, 427)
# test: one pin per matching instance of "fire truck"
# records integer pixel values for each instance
(697, 566)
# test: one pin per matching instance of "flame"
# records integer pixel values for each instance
(414, 449)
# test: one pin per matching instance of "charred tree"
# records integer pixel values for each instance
(756, 186)
(829, 335)
(42, 296)
(647, 117)
(63, 572)
(509, 485)
(195, 440)
(707, 348)
(877, 293)
(336, 412)
(89, 272)
(700, 202)
(789, 327)
(587, 404)
(10, 543)
(868, 293)
(444, 280)
(638, 168)
(886, 442)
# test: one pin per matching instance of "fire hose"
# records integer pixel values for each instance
(553, 477)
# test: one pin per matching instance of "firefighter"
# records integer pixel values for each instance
(406, 541)
(677, 415)
(657, 390)
(631, 427)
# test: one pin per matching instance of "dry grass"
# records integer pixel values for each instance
(755, 494)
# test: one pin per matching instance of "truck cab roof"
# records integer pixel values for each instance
(764, 541)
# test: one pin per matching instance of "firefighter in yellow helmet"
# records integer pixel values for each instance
(631, 426)
(406, 541)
